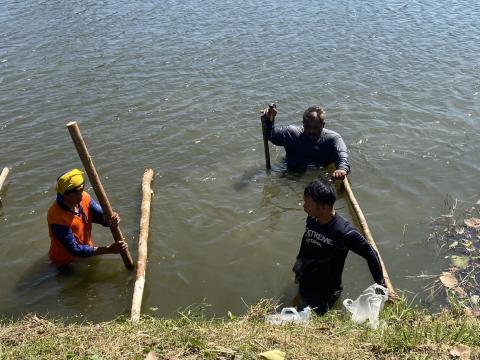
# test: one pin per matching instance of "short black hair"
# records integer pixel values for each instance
(321, 191)
(307, 114)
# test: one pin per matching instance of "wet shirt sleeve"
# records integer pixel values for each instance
(359, 245)
(341, 155)
(65, 235)
(97, 213)
(281, 136)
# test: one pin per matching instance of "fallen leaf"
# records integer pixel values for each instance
(472, 222)
(461, 351)
(452, 245)
(460, 291)
(273, 355)
(460, 261)
(448, 280)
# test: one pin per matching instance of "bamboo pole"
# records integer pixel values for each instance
(266, 147)
(368, 235)
(265, 138)
(142, 245)
(87, 162)
(3, 176)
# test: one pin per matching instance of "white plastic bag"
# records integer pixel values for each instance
(290, 315)
(368, 305)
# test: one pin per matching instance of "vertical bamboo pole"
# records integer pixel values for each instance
(142, 245)
(265, 138)
(87, 162)
(3, 176)
(368, 235)
(266, 147)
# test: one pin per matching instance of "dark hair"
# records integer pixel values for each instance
(307, 114)
(321, 191)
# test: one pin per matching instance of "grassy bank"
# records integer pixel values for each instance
(408, 332)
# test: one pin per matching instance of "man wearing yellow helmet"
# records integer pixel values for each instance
(70, 219)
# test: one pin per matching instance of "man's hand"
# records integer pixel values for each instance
(339, 174)
(114, 220)
(270, 112)
(117, 247)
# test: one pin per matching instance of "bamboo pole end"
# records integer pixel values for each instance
(71, 123)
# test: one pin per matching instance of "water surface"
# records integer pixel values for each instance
(177, 86)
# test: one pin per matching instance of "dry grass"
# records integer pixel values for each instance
(409, 333)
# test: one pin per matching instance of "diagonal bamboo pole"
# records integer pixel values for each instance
(368, 235)
(3, 176)
(142, 245)
(87, 162)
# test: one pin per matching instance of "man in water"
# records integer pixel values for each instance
(70, 219)
(310, 144)
(325, 244)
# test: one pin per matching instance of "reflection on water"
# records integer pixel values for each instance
(79, 289)
(176, 86)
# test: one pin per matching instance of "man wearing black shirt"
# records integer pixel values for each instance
(325, 244)
(310, 144)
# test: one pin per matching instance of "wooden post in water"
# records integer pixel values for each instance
(87, 162)
(368, 235)
(265, 147)
(265, 138)
(142, 245)
(3, 176)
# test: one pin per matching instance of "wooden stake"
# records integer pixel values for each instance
(3, 176)
(366, 231)
(87, 162)
(142, 245)
(265, 138)
(266, 147)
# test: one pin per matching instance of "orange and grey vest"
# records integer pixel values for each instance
(80, 224)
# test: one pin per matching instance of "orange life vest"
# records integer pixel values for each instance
(81, 226)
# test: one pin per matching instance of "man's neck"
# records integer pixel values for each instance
(324, 219)
(73, 206)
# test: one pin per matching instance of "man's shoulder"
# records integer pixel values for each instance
(342, 225)
(330, 134)
(58, 215)
(295, 130)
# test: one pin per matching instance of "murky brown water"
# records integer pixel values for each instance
(176, 87)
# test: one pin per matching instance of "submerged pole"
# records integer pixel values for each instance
(368, 235)
(87, 162)
(142, 245)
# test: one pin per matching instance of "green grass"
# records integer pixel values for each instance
(407, 333)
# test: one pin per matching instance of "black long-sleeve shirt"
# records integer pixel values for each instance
(302, 151)
(323, 252)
